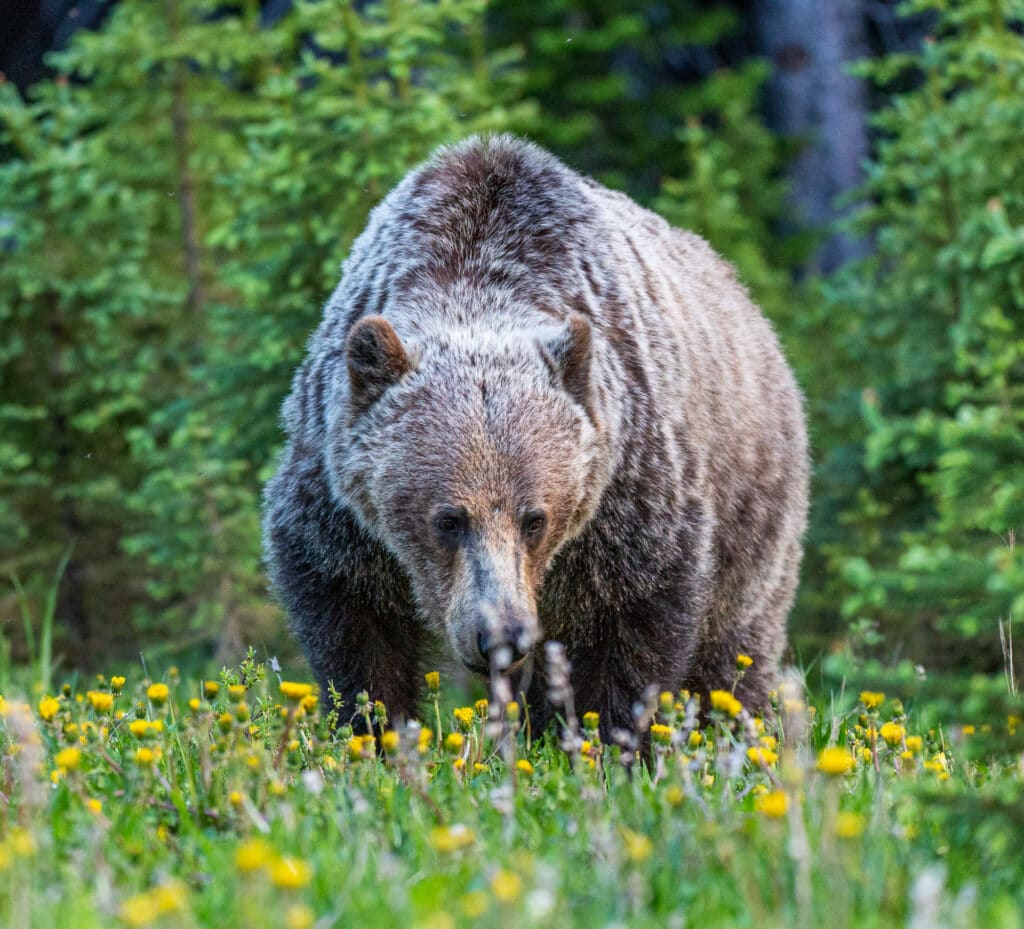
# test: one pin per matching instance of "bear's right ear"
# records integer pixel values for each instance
(376, 360)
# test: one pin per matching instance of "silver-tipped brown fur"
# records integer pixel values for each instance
(534, 410)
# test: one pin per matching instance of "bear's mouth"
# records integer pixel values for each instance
(485, 672)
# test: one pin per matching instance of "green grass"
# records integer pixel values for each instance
(248, 813)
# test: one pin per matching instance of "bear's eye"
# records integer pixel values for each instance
(450, 523)
(534, 525)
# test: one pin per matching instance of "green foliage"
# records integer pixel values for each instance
(925, 493)
(608, 77)
(177, 203)
(729, 188)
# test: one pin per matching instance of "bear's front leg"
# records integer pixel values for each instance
(613, 667)
(348, 602)
(355, 648)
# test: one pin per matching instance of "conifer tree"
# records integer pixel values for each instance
(927, 499)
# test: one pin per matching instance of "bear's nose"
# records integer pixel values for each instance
(512, 637)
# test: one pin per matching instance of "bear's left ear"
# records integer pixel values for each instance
(376, 360)
(568, 354)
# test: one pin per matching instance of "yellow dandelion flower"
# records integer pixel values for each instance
(295, 692)
(674, 795)
(170, 897)
(140, 910)
(480, 768)
(764, 756)
(793, 706)
(464, 716)
(117, 683)
(236, 691)
(482, 708)
(773, 805)
(235, 798)
(708, 780)
(426, 736)
(94, 806)
(21, 842)
(591, 721)
(138, 728)
(506, 886)
(892, 733)
(210, 689)
(968, 730)
(356, 748)
(448, 839)
(725, 702)
(453, 743)
(389, 741)
(866, 755)
(145, 756)
(308, 703)
(524, 767)
(290, 873)
(433, 679)
(662, 735)
(194, 704)
(253, 854)
(158, 694)
(299, 916)
(849, 825)
(68, 758)
(695, 738)
(872, 699)
(512, 711)
(459, 764)
(101, 700)
(49, 707)
(914, 743)
(743, 662)
(474, 904)
(637, 846)
(938, 765)
(836, 761)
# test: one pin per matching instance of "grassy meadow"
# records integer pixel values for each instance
(247, 800)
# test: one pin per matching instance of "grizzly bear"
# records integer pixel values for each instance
(535, 411)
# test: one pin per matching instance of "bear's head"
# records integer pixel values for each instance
(474, 455)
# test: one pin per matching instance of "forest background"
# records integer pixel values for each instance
(181, 179)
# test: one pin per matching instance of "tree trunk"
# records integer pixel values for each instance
(813, 98)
